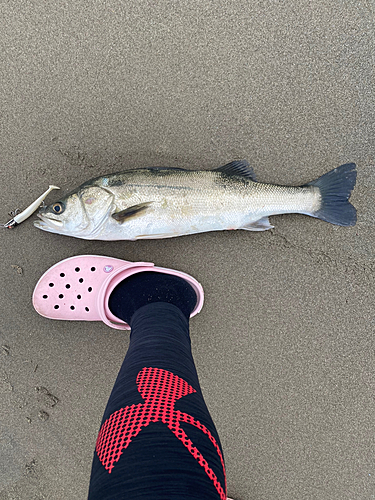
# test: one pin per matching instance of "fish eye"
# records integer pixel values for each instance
(58, 208)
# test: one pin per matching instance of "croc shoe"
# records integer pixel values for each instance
(78, 288)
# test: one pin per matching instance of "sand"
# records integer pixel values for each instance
(284, 345)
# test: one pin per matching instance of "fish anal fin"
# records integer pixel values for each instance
(155, 236)
(131, 212)
(259, 225)
(240, 168)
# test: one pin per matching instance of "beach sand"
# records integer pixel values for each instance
(284, 346)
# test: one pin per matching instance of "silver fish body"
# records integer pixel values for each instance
(155, 203)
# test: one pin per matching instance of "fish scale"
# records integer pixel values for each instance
(160, 202)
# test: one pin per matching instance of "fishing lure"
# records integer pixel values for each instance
(25, 214)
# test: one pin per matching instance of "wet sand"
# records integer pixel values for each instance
(284, 345)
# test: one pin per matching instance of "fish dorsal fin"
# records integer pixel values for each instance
(131, 212)
(239, 167)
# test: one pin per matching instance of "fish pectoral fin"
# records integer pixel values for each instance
(240, 168)
(259, 225)
(131, 212)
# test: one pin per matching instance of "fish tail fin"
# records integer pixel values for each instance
(335, 189)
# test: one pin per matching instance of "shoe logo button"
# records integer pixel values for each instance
(108, 269)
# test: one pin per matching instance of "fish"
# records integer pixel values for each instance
(160, 202)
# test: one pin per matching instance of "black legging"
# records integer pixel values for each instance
(157, 440)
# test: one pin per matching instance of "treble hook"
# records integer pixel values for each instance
(20, 217)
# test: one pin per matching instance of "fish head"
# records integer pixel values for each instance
(81, 213)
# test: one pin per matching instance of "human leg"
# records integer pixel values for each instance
(157, 439)
(158, 379)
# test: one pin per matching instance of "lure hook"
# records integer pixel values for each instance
(18, 217)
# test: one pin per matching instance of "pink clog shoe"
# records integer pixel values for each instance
(78, 288)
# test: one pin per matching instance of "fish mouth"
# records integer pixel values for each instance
(48, 224)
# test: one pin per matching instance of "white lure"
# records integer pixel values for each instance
(25, 214)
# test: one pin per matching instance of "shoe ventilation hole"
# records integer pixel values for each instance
(56, 306)
(87, 309)
(89, 289)
(61, 296)
(93, 269)
(79, 297)
(67, 286)
(72, 308)
(77, 269)
(80, 280)
(45, 296)
(62, 275)
(51, 284)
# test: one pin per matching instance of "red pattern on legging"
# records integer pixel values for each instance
(160, 389)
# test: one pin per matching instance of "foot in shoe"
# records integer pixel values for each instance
(147, 287)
